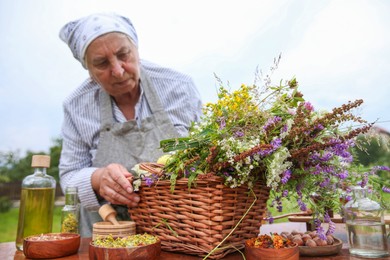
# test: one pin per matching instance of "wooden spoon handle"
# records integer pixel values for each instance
(108, 213)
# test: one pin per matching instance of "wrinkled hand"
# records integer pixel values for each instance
(112, 183)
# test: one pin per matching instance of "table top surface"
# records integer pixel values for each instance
(336, 219)
(8, 251)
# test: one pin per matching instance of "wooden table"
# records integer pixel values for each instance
(336, 219)
(8, 251)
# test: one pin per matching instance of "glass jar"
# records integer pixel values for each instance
(36, 201)
(70, 212)
(365, 226)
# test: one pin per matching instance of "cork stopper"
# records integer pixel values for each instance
(40, 161)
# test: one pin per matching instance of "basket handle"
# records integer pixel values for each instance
(155, 168)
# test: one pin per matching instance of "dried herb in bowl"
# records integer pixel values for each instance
(270, 241)
(129, 241)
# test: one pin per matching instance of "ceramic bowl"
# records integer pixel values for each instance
(322, 250)
(255, 253)
(148, 252)
(51, 245)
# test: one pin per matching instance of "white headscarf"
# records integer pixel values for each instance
(80, 33)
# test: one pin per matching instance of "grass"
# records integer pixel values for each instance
(288, 207)
(9, 223)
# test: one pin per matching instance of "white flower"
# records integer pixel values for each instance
(277, 166)
(289, 123)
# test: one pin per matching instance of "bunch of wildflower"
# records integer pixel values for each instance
(270, 133)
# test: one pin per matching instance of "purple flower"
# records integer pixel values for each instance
(325, 183)
(222, 123)
(270, 220)
(238, 134)
(149, 181)
(285, 193)
(286, 176)
(364, 181)
(326, 217)
(318, 169)
(332, 225)
(342, 175)
(279, 206)
(331, 228)
(386, 189)
(383, 168)
(265, 152)
(308, 106)
(341, 149)
(302, 205)
(326, 157)
(320, 127)
(271, 122)
(276, 143)
(299, 190)
(320, 229)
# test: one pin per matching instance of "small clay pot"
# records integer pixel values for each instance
(149, 252)
(254, 253)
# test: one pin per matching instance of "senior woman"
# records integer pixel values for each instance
(118, 116)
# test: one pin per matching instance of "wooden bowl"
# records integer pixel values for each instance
(51, 245)
(322, 250)
(149, 252)
(254, 253)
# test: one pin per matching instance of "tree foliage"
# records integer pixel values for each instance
(14, 167)
(373, 149)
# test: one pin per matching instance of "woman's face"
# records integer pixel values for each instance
(113, 62)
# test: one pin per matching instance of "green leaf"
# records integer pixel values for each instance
(181, 143)
(191, 179)
(173, 181)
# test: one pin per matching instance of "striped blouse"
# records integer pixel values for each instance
(81, 125)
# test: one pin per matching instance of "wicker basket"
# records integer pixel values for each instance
(195, 221)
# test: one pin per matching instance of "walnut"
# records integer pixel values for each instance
(305, 237)
(329, 239)
(297, 240)
(310, 243)
(321, 242)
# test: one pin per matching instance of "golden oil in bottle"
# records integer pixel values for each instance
(36, 201)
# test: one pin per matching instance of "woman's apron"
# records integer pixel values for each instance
(127, 144)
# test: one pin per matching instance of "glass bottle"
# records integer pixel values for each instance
(36, 201)
(365, 226)
(70, 212)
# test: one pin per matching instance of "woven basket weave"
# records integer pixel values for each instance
(195, 221)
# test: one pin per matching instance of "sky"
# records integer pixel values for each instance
(337, 50)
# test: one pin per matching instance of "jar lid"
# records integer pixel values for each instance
(71, 189)
(40, 161)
